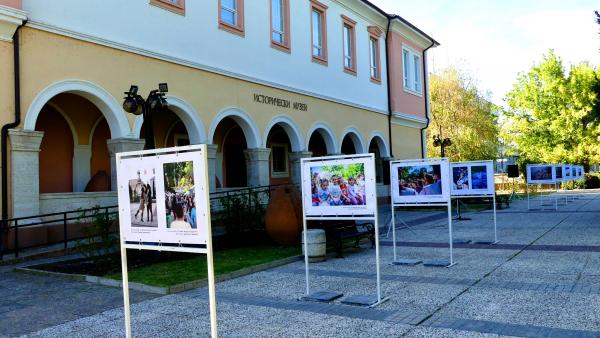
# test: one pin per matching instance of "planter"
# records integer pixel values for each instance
(315, 245)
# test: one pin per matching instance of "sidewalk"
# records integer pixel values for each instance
(543, 279)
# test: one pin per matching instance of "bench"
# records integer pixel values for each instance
(338, 231)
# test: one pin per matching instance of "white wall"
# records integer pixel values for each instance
(196, 38)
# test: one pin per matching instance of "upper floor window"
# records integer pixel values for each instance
(319, 32)
(349, 38)
(374, 54)
(175, 6)
(280, 24)
(231, 16)
(412, 68)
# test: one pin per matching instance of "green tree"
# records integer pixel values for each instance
(553, 115)
(460, 111)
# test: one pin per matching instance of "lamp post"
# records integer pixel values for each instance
(439, 141)
(135, 104)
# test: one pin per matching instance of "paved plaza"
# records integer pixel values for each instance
(541, 280)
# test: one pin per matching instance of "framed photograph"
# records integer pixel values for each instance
(472, 178)
(567, 172)
(579, 172)
(558, 172)
(162, 198)
(541, 174)
(339, 186)
(573, 172)
(422, 181)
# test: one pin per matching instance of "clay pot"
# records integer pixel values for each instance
(99, 182)
(283, 221)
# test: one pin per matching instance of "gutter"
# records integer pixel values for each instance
(426, 92)
(16, 123)
(389, 88)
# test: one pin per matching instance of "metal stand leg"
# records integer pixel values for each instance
(126, 306)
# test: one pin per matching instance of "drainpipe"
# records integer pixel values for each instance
(6, 127)
(425, 77)
(389, 88)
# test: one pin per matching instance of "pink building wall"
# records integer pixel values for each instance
(12, 3)
(402, 101)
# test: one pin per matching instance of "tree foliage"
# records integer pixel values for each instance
(460, 111)
(553, 115)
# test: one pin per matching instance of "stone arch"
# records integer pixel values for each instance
(67, 119)
(326, 133)
(102, 99)
(356, 138)
(188, 116)
(244, 120)
(379, 139)
(291, 129)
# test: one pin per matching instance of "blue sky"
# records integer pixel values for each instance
(495, 40)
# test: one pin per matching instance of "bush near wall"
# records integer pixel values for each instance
(592, 181)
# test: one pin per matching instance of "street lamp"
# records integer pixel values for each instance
(439, 141)
(135, 104)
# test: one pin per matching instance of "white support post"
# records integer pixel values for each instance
(305, 249)
(377, 252)
(495, 221)
(212, 294)
(528, 202)
(450, 231)
(394, 230)
(125, 282)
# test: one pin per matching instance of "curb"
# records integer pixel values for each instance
(162, 290)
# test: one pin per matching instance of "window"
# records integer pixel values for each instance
(175, 6)
(349, 45)
(412, 68)
(280, 24)
(231, 16)
(374, 54)
(279, 160)
(319, 32)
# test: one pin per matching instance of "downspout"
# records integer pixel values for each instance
(389, 88)
(6, 127)
(425, 91)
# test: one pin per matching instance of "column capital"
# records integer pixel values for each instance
(211, 150)
(25, 140)
(298, 155)
(257, 154)
(121, 145)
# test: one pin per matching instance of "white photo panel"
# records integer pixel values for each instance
(162, 199)
(339, 186)
(472, 178)
(541, 174)
(558, 172)
(420, 181)
(567, 172)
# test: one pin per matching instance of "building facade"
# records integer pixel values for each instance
(263, 82)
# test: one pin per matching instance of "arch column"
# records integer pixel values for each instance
(296, 165)
(120, 145)
(82, 156)
(212, 166)
(25, 171)
(257, 164)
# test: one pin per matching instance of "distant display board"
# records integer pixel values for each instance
(472, 178)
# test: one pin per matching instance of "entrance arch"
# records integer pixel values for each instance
(321, 140)
(351, 142)
(378, 147)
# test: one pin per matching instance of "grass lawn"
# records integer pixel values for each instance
(187, 270)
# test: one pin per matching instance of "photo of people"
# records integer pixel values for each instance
(479, 177)
(420, 180)
(558, 172)
(541, 173)
(338, 185)
(180, 207)
(460, 178)
(142, 199)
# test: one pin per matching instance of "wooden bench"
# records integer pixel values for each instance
(338, 231)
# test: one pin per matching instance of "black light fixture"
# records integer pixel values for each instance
(135, 104)
(439, 141)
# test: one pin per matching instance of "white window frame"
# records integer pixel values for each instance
(317, 41)
(280, 174)
(415, 82)
(280, 20)
(348, 45)
(374, 70)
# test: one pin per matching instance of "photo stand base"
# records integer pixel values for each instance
(460, 218)
(363, 300)
(438, 263)
(407, 261)
(486, 242)
(321, 296)
(461, 241)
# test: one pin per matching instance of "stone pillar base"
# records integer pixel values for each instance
(25, 172)
(257, 164)
(120, 145)
(296, 165)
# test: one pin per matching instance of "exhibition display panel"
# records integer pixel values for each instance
(164, 205)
